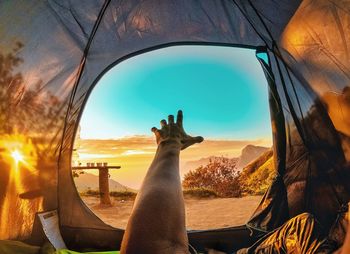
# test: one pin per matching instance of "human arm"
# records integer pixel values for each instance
(157, 222)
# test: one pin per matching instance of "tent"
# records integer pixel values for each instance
(53, 52)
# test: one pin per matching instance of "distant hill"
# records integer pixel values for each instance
(191, 165)
(88, 181)
(249, 154)
(257, 176)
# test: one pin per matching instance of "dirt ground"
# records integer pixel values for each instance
(200, 213)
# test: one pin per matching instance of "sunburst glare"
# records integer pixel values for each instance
(17, 156)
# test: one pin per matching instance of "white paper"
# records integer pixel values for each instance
(49, 221)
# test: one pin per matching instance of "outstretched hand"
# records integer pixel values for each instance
(171, 131)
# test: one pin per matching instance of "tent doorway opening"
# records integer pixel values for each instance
(224, 96)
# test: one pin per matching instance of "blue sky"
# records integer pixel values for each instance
(222, 91)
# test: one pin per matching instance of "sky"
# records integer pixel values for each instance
(221, 90)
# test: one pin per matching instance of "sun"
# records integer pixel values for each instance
(17, 156)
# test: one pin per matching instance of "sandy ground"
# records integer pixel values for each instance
(200, 213)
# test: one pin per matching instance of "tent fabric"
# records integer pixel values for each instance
(52, 53)
(301, 234)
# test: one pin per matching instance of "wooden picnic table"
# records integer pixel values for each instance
(103, 178)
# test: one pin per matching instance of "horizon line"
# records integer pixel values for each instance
(152, 136)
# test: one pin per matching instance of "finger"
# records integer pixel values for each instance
(157, 134)
(154, 129)
(179, 118)
(163, 123)
(171, 119)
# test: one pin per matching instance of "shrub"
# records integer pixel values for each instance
(120, 195)
(90, 193)
(258, 175)
(219, 176)
(125, 195)
(199, 193)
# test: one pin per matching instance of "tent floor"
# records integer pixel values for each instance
(226, 239)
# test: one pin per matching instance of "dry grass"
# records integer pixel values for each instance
(200, 213)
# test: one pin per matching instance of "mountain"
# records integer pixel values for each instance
(88, 181)
(191, 165)
(257, 176)
(249, 154)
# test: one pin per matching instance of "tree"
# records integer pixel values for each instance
(25, 108)
(31, 117)
(218, 175)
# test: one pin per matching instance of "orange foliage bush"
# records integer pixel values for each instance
(219, 175)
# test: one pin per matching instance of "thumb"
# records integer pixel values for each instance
(198, 139)
(191, 141)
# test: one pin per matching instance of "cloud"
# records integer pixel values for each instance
(145, 145)
(91, 156)
(135, 152)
